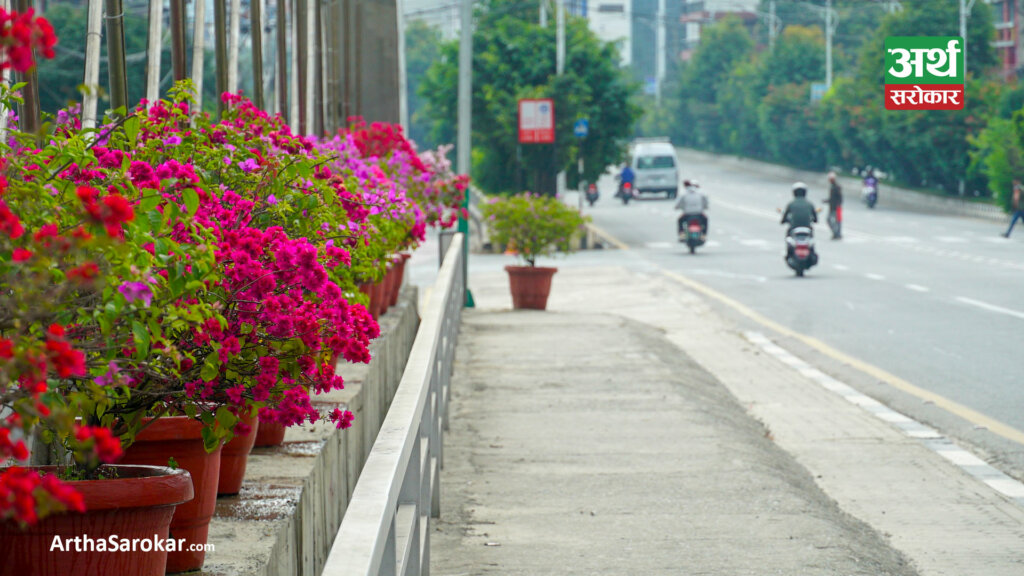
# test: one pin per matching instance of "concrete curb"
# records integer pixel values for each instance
(889, 196)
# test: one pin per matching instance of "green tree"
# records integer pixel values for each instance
(422, 48)
(514, 58)
(998, 152)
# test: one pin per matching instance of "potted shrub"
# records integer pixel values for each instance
(535, 226)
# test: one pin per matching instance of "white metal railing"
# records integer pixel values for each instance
(385, 528)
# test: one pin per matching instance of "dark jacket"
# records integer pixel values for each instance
(835, 196)
(799, 212)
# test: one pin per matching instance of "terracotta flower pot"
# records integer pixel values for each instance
(375, 292)
(234, 456)
(137, 505)
(390, 288)
(399, 277)
(530, 286)
(270, 434)
(180, 437)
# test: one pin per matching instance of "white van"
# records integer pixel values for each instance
(655, 166)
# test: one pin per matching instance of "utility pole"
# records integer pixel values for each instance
(828, 44)
(93, 36)
(965, 13)
(403, 81)
(543, 13)
(281, 61)
(116, 72)
(659, 56)
(560, 37)
(772, 30)
(234, 31)
(256, 33)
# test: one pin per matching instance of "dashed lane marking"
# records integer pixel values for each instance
(873, 276)
(917, 288)
(928, 436)
(991, 307)
(840, 267)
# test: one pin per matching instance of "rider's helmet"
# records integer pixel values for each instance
(694, 183)
(831, 176)
(799, 190)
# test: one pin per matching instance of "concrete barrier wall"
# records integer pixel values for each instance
(294, 496)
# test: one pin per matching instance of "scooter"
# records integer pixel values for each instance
(800, 254)
(691, 231)
(592, 194)
(869, 194)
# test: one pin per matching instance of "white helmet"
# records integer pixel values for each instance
(799, 189)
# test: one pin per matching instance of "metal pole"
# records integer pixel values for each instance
(295, 100)
(117, 75)
(94, 33)
(233, 47)
(403, 89)
(198, 49)
(465, 118)
(560, 37)
(256, 33)
(179, 66)
(771, 25)
(543, 13)
(221, 49)
(828, 44)
(659, 57)
(308, 119)
(965, 13)
(156, 24)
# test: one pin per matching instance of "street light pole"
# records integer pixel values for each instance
(965, 13)
(560, 37)
(659, 56)
(464, 134)
(771, 25)
(828, 44)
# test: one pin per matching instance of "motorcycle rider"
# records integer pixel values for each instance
(693, 203)
(625, 176)
(835, 206)
(799, 212)
(870, 181)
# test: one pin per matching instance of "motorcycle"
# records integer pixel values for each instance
(691, 232)
(625, 192)
(800, 254)
(592, 194)
(869, 194)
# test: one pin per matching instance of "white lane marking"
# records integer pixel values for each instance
(658, 245)
(928, 436)
(712, 243)
(901, 239)
(917, 288)
(725, 274)
(840, 267)
(952, 239)
(754, 242)
(874, 276)
(991, 307)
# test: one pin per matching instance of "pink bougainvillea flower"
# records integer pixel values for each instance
(133, 291)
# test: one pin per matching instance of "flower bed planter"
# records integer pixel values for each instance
(269, 434)
(234, 456)
(180, 437)
(138, 504)
(530, 286)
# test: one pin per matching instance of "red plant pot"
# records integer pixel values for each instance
(270, 434)
(375, 292)
(136, 506)
(530, 286)
(180, 437)
(390, 289)
(234, 456)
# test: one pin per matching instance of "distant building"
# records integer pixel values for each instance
(611, 21)
(1007, 41)
(696, 14)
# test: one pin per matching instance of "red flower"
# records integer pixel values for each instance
(84, 273)
(106, 446)
(21, 255)
(65, 359)
(6, 349)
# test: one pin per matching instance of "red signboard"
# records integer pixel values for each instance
(537, 121)
(924, 96)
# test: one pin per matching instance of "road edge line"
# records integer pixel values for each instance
(969, 414)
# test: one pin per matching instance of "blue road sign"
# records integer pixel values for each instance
(581, 128)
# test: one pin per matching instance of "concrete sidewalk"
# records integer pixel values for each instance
(608, 436)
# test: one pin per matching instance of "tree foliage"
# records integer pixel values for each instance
(514, 58)
(422, 49)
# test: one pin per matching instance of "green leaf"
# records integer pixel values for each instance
(211, 368)
(148, 203)
(141, 339)
(131, 129)
(191, 200)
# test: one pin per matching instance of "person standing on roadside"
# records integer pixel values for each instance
(1017, 205)
(835, 206)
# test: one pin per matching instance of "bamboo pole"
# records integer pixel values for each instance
(256, 32)
(198, 51)
(93, 36)
(29, 117)
(220, 42)
(156, 24)
(282, 58)
(179, 63)
(233, 45)
(116, 72)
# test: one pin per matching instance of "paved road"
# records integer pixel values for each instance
(937, 301)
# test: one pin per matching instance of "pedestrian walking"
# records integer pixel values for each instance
(1017, 205)
(835, 206)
